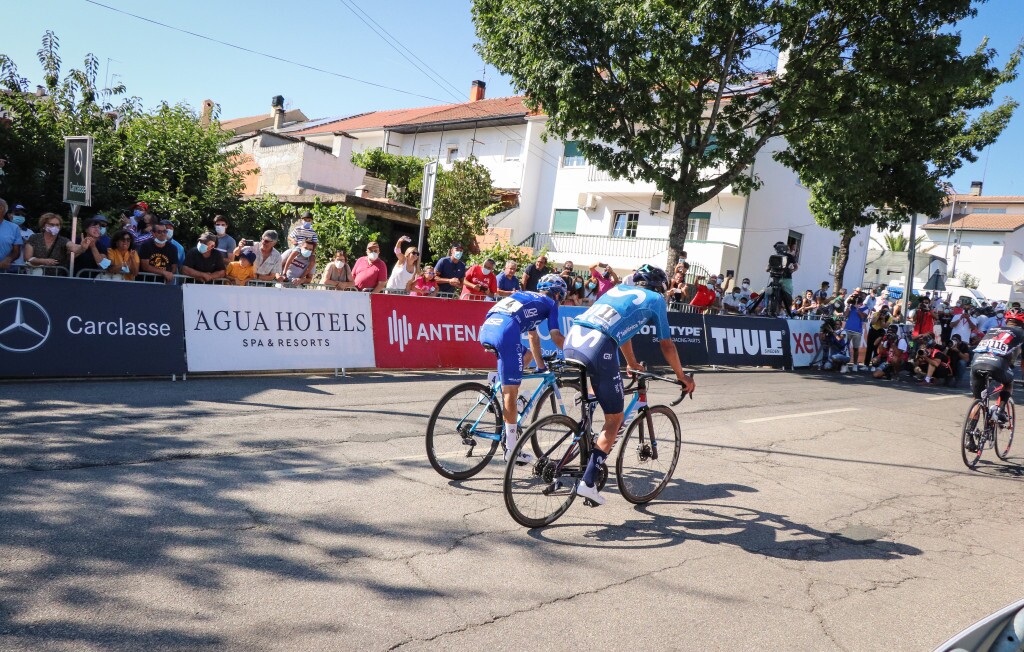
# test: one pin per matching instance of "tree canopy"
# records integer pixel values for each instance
(683, 94)
(463, 200)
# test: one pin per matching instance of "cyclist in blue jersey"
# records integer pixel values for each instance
(521, 312)
(593, 339)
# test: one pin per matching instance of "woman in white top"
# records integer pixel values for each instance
(406, 267)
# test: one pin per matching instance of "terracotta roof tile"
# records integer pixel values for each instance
(493, 108)
(988, 199)
(980, 222)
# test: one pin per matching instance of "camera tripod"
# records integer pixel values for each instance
(776, 298)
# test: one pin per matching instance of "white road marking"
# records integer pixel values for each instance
(943, 398)
(797, 416)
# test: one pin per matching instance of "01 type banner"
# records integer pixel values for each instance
(263, 329)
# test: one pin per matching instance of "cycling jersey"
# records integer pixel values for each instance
(621, 311)
(518, 313)
(994, 357)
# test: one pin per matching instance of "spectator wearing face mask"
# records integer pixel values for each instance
(18, 216)
(370, 274)
(480, 283)
(406, 267)
(533, 273)
(170, 238)
(425, 283)
(300, 263)
(158, 256)
(745, 289)
(134, 222)
(91, 247)
(225, 243)
(731, 301)
(243, 270)
(10, 240)
(704, 297)
(604, 276)
(337, 273)
(204, 262)
(574, 296)
(854, 327)
(507, 280)
(590, 292)
(48, 247)
(124, 260)
(451, 270)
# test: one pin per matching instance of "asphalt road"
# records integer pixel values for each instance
(300, 513)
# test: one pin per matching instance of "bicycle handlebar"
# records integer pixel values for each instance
(646, 375)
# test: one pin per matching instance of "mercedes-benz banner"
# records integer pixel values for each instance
(52, 327)
(254, 329)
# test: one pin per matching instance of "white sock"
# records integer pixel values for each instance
(511, 435)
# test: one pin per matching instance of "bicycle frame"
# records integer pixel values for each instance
(548, 379)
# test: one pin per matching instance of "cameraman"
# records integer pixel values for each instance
(876, 330)
(781, 267)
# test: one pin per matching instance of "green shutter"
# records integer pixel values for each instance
(565, 221)
(700, 216)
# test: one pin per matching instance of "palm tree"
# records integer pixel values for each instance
(899, 242)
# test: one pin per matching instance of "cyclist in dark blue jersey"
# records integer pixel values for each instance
(521, 312)
(594, 339)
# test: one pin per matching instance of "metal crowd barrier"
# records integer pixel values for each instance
(43, 270)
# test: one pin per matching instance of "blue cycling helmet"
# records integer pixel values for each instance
(553, 285)
(651, 277)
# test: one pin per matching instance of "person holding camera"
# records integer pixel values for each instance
(876, 331)
(854, 326)
(780, 268)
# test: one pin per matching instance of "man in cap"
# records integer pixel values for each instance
(91, 247)
(204, 262)
(370, 274)
(451, 270)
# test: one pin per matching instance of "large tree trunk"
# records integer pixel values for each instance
(843, 257)
(677, 233)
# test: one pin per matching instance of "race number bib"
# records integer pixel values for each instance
(508, 305)
(602, 315)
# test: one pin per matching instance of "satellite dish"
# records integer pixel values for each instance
(1011, 266)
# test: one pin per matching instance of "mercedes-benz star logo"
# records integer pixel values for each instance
(25, 325)
(78, 160)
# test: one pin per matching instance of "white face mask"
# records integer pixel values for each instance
(306, 253)
(486, 271)
(170, 233)
(53, 230)
(372, 255)
(746, 285)
(220, 229)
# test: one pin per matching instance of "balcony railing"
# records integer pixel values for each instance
(597, 245)
(595, 174)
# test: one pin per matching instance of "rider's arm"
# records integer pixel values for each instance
(556, 337)
(668, 349)
(538, 354)
(631, 361)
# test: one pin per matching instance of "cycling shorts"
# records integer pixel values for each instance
(503, 334)
(997, 371)
(600, 354)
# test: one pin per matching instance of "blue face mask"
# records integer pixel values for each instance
(457, 255)
(203, 247)
(105, 263)
(306, 253)
(103, 230)
(159, 241)
(18, 219)
(137, 214)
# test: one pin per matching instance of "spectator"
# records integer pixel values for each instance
(745, 289)
(567, 273)
(534, 271)
(269, 262)
(892, 353)
(731, 301)
(574, 296)
(204, 262)
(300, 263)
(944, 323)
(18, 216)
(871, 301)
(809, 305)
(507, 280)
(135, 223)
(406, 267)
(225, 243)
(242, 270)
(91, 249)
(924, 321)
(704, 297)
(425, 283)
(959, 354)
(158, 256)
(855, 330)
(822, 295)
(679, 291)
(797, 306)
(370, 274)
(479, 283)
(48, 247)
(170, 238)
(124, 260)
(10, 240)
(838, 351)
(590, 292)
(681, 264)
(606, 278)
(450, 270)
(876, 331)
(338, 274)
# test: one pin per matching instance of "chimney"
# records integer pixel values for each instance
(207, 114)
(362, 191)
(277, 110)
(477, 90)
(976, 188)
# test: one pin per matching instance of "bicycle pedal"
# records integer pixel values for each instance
(590, 503)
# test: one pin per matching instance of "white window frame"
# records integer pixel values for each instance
(572, 161)
(625, 235)
(448, 151)
(508, 145)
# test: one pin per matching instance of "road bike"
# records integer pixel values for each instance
(982, 428)
(466, 425)
(538, 493)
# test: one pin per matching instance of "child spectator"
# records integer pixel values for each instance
(243, 270)
(425, 283)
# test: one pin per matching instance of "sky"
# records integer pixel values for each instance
(157, 63)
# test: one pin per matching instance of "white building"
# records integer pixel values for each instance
(581, 214)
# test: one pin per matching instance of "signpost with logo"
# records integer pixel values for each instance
(74, 328)
(77, 179)
(427, 197)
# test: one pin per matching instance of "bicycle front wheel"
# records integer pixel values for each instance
(572, 399)
(539, 492)
(648, 454)
(972, 437)
(1004, 435)
(463, 431)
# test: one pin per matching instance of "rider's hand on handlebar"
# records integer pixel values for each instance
(689, 384)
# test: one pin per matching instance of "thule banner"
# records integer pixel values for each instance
(256, 329)
(422, 333)
(748, 341)
(78, 327)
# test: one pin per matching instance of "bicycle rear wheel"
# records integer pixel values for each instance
(536, 494)
(1004, 434)
(972, 437)
(463, 431)
(572, 398)
(648, 454)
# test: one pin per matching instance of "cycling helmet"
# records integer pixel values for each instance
(1015, 314)
(553, 285)
(651, 277)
